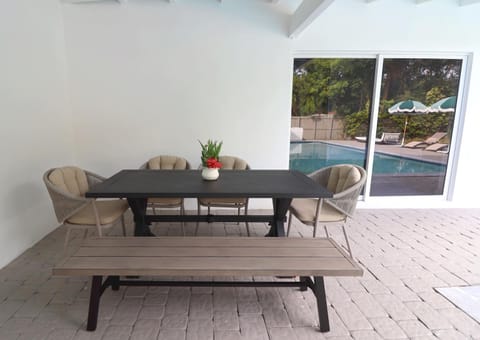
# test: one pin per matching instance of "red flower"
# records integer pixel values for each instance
(213, 163)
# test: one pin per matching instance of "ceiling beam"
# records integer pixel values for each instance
(468, 2)
(305, 14)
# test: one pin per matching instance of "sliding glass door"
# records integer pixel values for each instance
(394, 116)
(331, 104)
(418, 104)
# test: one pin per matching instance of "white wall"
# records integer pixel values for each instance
(152, 77)
(403, 26)
(35, 129)
(149, 77)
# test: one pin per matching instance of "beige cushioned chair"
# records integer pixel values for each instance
(166, 162)
(67, 187)
(228, 163)
(346, 182)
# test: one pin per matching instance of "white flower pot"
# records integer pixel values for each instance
(210, 174)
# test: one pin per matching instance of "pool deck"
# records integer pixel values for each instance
(394, 150)
(402, 184)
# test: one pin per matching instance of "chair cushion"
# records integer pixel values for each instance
(167, 163)
(70, 179)
(232, 163)
(165, 201)
(222, 201)
(304, 209)
(343, 177)
(228, 163)
(108, 210)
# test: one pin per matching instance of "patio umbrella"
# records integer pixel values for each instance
(444, 105)
(408, 108)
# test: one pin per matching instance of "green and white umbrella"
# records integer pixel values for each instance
(444, 105)
(408, 108)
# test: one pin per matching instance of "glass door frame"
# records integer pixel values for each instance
(458, 122)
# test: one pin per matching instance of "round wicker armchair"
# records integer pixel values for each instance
(346, 182)
(67, 187)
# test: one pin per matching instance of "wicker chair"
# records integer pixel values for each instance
(346, 182)
(67, 187)
(165, 162)
(228, 163)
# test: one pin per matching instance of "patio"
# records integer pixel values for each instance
(405, 254)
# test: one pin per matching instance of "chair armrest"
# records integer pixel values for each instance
(65, 204)
(320, 176)
(346, 201)
(93, 178)
(348, 192)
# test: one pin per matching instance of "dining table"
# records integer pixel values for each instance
(137, 186)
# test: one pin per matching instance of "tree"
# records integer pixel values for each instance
(345, 86)
(326, 85)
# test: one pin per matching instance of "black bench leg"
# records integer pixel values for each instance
(115, 282)
(319, 291)
(95, 294)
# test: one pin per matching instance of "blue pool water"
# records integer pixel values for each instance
(311, 156)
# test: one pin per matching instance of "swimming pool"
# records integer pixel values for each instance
(310, 156)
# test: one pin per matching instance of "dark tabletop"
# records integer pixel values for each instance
(189, 183)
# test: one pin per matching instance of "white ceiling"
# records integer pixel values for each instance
(302, 12)
(290, 5)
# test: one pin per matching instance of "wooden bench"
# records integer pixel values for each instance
(112, 257)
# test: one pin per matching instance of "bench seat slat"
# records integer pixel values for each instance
(207, 266)
(209, 256)
(199, 241)
(206, 251)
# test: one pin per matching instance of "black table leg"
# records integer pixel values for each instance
(319, 291)
(139, 209)
(95, 294)
(115, 280)
(304, 280)
(280, 208)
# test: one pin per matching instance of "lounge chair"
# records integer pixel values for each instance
(391, 138)
(437, 147)
(435, 138)
(386, 138)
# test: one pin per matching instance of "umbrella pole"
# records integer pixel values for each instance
(404, 130)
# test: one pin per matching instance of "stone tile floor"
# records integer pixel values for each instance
(405, 254)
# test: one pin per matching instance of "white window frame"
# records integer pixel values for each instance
(458, 123)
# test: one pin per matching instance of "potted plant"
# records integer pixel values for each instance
(210, 153)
